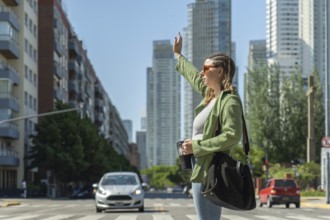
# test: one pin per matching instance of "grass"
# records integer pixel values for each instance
(312, 193)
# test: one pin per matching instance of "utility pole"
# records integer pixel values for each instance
(311, 133)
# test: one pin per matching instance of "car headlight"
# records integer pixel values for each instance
(101, 191)
(137, 192)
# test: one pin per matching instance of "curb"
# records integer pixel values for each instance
(11, 203)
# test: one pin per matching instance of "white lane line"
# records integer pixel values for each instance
(162, 217)
(58, 217)
(127, 217)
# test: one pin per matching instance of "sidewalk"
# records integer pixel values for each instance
(9, 202)
(314, 202)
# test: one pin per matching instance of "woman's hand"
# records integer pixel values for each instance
(177, 46)
(187, 147)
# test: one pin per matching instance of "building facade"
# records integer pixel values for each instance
(128, 124)
(18, 87)
(208, 32)
(163, 106)
(42, 62)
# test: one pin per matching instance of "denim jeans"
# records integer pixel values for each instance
(205, 209)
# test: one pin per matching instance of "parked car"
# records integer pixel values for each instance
(119, 190)
(280, 191)
(85, 192)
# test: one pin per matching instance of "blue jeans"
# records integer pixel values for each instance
(205, 209)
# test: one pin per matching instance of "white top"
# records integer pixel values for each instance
(200, 119)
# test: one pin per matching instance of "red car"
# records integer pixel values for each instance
(280, 191)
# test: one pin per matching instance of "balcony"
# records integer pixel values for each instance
(73, 66)
(74, 47)
(7, 15)
(58, 48)
(8, 72)
(11, 2)
(58, 94)
(7, 100)
(8, 157)
(8, 48)
(58, 70)
(73, 87)
(9, 130)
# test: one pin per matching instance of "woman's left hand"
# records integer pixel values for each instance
(187, 147)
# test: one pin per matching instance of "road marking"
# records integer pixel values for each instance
(4, 216)
(192, 217)
(267, 217)
(234, 217)
(92, 217)
(175, 204)
(300, 217)
(326, 217)
(127, 217)
(22, 217)
(158, 204)
(161, 217)
(58, 217)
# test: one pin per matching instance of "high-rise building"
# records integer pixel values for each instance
(297, 35)
(208, 32)
(18, 87)
(282, 34)
(129, 129)
(314, 37)
(141, 141)
(163, 105)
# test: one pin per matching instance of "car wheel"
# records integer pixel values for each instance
(287, 205)
(98, 210)
(298, 205)
(260, 204)
(141, 209)
(269, 203)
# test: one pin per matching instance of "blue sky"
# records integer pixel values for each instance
(118, 36)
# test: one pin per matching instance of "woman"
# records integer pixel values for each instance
(218, 119)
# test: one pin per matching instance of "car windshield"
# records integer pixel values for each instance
(119, 180)
(285, 183)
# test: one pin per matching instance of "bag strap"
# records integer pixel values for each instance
(246, 144)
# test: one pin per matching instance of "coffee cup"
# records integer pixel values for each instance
(185, 159)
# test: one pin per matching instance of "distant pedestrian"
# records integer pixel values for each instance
(24, 194)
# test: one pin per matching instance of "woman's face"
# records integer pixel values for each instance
(211, 74)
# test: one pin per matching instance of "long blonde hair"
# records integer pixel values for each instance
(228, 65)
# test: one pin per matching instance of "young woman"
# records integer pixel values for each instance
(218, 119)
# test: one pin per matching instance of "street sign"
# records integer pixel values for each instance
(325, 141)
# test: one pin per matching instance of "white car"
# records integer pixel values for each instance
(119, 190)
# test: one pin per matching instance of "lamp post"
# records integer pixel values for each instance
(44, 114)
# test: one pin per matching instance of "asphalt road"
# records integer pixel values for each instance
(158, 206)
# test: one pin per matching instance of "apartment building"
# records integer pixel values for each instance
(18, 86)
(42, 62)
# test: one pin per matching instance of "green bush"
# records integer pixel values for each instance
(312, 193)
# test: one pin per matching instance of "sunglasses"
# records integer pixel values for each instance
(206, 68)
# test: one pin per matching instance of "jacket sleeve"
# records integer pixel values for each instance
(231, 131)
(191, 74)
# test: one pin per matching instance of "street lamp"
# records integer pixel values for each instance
(81, 105)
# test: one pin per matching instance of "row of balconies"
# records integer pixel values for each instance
(8, 45)
(8, 157)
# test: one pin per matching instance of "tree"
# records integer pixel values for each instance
(277, 113)
(71, 147)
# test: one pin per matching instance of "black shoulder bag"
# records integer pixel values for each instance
(229, 182)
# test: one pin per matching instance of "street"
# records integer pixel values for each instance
(169, 208)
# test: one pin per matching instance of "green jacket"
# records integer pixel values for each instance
(227, 109)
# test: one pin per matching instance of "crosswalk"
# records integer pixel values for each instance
(108, 216)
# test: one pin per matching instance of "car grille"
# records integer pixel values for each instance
(119, 197)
